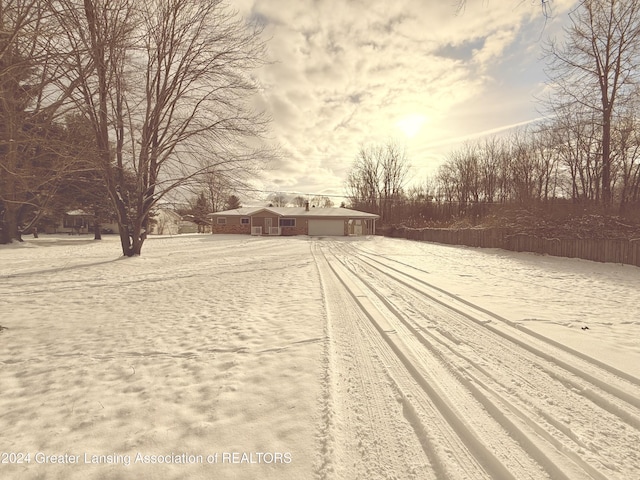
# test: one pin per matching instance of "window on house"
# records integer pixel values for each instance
(75, 222)
(244, 221)
(222, 221)
(287, 222)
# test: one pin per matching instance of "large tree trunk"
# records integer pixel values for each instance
(10, 230)
(121, 210)
(4, 234)
(132, 238)
(607, 196)
(125, 240)
(139, 234)
(96, 231)
(138, 240)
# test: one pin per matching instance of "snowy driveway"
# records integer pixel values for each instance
(434, 386)
(235, 357)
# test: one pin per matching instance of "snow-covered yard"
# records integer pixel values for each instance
(237, 357)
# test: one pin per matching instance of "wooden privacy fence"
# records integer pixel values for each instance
(598, 250)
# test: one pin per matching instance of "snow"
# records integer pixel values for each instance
(238, 357)
(553, 296)
(200, 346)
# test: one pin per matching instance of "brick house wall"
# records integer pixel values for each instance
(237, 229)
(300, 229)
(233, 223)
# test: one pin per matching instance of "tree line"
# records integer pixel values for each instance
(543, 163)
(137, 100)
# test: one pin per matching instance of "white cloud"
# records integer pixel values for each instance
(344, 73)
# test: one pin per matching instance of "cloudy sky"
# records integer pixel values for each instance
(346, 73)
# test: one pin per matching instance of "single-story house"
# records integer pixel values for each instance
(294, 221)
(164, 222)
(78, 222)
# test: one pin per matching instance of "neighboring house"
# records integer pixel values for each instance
(79, 222)
(164, 222)
(187, 226)
(294, 221)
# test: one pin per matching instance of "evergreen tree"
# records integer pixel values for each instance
(232, 203)
(199, 212)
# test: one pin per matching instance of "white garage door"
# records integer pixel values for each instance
(326, 227)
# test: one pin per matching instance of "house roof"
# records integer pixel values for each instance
(78, 213)
(296, 212)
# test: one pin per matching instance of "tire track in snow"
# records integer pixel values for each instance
(492, 446)
(439, 293)
(569, 417)
(613, 381)
(454, 448)
(360, 436)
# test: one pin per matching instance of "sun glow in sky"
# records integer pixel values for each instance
(411, 124)
(346, 73)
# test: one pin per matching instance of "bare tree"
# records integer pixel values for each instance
(419, 206)
(278, 200)
(523, 168)
(362, 184)
(546, 177)
(395, 168)
(488, 168)
(321, 201)
(377, 178)
(446, 183)
(299, 201)
(466, 164)
(217, 190)
(626, 141)
(577, 144)
(545, 6)
(164, 83)
(597, 67)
